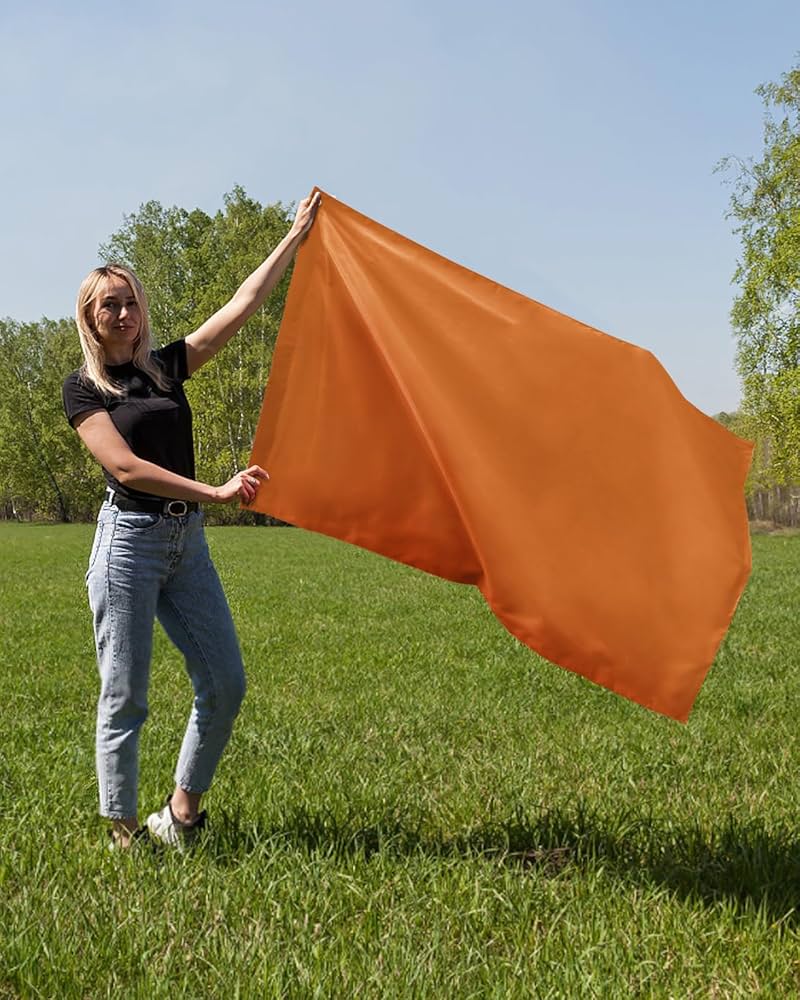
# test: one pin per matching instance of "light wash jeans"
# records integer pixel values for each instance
(143, 567)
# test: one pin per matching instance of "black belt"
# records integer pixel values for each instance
(172, 508)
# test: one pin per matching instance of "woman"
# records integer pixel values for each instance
(149, 559)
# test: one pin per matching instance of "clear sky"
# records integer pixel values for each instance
(564, 149)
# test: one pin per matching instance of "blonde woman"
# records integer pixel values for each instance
(149, 558)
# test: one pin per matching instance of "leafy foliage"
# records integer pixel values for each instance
(191, 263)
(766, 313)
(44, 470)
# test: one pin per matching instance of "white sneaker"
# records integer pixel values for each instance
(166, 829)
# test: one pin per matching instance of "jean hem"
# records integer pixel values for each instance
(186, 786)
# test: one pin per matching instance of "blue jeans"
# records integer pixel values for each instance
(143, 567)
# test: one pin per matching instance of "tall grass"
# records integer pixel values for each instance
(413, 804)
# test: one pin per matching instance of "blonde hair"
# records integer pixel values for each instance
(93, 369)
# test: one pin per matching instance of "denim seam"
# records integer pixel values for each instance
(112, 810)
(96, 546)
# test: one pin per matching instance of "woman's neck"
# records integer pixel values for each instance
(120, 356)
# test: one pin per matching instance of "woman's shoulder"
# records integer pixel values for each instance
(174, 347)
(77, 381)
(172, 358)
(79, 395)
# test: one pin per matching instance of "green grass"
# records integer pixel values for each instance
(413, 804)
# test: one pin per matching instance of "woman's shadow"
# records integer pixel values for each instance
(738, 861)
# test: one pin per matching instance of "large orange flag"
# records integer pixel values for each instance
(424, 412)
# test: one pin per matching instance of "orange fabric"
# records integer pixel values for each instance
(422, 411)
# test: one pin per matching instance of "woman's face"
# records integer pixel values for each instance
(116, 318)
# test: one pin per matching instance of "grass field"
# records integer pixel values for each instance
(413, 804)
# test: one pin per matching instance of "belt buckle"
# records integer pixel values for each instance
(176, 508)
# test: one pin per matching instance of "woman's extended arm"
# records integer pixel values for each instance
(112, 451)
(204, 343)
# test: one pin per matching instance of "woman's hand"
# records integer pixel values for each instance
(306, 212)
(243, 485)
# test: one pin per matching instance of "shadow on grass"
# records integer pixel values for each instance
(738, 862)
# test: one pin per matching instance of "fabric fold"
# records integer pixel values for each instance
(424, 412)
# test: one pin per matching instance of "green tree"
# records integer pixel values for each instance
(191, 264)
(44, 470)
(765, 205)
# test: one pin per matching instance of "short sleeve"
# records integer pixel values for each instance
(173, 360)
(79, 397)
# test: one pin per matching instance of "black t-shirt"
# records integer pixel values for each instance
(157, 424)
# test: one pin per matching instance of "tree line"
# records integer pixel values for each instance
(190, 264)
(765, 209)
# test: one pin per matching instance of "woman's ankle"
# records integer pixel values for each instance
(122, 830)
(185, 806)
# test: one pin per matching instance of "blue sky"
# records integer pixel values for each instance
(566, 150)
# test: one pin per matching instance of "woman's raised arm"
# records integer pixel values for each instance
(204, 343)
